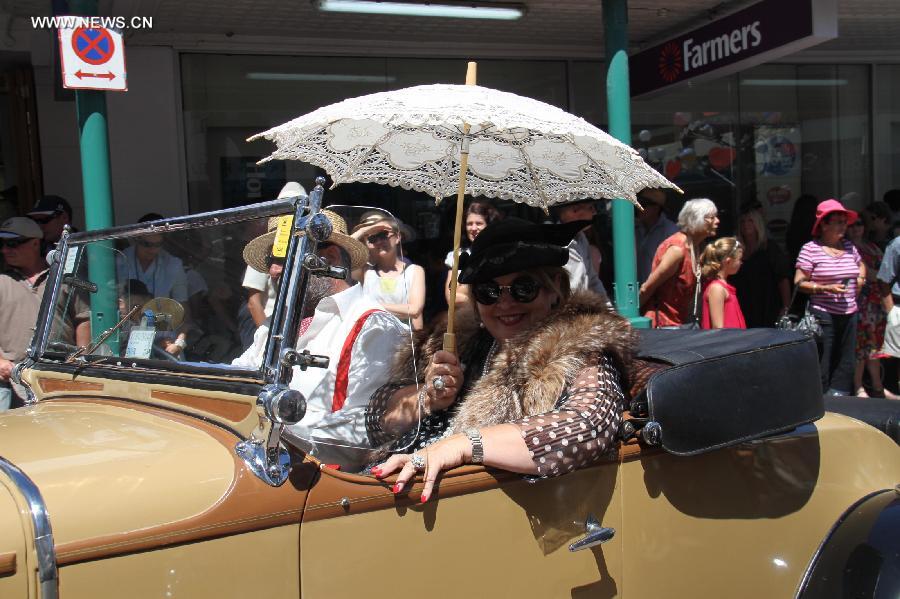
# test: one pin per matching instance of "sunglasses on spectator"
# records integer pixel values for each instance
(14, 242)
(378, 237)
(150, 244)
(523, 290)
(43, 220)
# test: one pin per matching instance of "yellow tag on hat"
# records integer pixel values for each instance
(282, 236)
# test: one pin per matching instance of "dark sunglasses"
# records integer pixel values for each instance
(150, 244)
(377, 237)
(523, 290)
(14, 242)
(43, 220)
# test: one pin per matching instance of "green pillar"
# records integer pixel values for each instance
(618, 97)
(97, 185)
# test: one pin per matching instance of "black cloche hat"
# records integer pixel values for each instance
(514, 244)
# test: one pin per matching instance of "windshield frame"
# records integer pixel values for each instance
(38, 351)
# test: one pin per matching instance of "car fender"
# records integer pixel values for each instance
(860, 556)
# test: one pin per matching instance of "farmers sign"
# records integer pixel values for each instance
(759, 33)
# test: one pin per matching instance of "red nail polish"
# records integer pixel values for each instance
(423, 499)
(376, 471)
(396, 488)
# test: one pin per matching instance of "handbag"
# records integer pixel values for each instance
(807, 324)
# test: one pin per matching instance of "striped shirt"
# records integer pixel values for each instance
(829, 270)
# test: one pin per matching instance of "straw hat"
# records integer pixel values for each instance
(257, 251)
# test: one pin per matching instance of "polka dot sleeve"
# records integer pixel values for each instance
(584, 425)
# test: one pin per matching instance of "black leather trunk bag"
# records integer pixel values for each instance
(727, 386)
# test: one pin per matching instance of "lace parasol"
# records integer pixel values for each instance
(519, 149)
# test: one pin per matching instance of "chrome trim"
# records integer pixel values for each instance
(191, 221)
(42, 333)
(48, 575)
(272, 465)
(16, 377)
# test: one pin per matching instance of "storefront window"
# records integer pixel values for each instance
(886, 85)
(693, 135)
(767, 134)
(229, 98)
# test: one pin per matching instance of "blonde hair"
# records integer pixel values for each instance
(757, 220)
(715, 254)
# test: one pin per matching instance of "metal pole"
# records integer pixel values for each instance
(97, 185)
(618, 96)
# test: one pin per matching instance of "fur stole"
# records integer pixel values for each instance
(530, 372)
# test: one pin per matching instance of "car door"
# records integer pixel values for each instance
(484, 533)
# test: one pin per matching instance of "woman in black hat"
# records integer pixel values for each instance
(537, 387)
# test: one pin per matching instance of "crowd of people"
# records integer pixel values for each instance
(841, 268)
(842, 273)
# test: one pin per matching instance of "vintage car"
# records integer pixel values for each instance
(135, 472)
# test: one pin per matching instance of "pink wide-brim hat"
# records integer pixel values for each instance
(829, 206)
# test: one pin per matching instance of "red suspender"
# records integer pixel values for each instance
(343, 369)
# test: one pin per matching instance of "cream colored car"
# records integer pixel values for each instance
(139, 472)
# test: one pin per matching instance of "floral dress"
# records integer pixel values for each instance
(872, 318)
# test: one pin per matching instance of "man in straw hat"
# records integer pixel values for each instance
(259, 288)
(338, 320)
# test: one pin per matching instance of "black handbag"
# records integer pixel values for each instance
(807, 324)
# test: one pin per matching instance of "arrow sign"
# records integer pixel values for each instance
(85, 49)
(81, 74)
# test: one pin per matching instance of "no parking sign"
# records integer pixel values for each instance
(92, 58)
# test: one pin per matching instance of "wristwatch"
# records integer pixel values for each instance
(477, 446)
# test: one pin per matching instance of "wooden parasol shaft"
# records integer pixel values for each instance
(450, 336)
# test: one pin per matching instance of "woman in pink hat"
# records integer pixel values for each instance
(831, 272)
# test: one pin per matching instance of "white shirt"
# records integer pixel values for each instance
(370, 368)
(580, 268)
(260, 281)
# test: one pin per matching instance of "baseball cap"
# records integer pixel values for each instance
(20, 226)
(51, 204)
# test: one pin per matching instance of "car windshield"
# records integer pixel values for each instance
(160, 295)
(206, 296)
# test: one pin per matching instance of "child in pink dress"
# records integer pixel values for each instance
(721, 309)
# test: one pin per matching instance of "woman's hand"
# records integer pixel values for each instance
(173, 348)
(445, 365)
(836, 288)
(445, 454)
(363, 233)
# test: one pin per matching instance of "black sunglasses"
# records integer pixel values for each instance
(150, 244)
(14, 242)
(43, 220)
(523, 290)
(373, 239)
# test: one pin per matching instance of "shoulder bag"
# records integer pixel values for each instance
(807, 324)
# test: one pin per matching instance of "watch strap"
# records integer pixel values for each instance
(474, 436)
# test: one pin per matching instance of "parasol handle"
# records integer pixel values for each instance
(450, 336)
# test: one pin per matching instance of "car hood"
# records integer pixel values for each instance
(108, 469)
